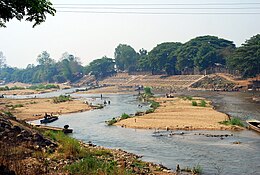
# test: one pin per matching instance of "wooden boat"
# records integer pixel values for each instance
(49, 119)
(53, 128)
(254, 124)
(67, 131)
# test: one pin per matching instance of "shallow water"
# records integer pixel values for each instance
(214, 155)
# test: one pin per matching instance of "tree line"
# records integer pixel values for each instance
(170, 58)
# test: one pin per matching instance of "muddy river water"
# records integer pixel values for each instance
(214, 155)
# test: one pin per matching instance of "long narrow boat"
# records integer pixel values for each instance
(254, 124)
(49, 119)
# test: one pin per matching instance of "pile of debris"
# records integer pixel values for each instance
(215, 82)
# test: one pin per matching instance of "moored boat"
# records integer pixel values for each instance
(254, 124)
(49, 118)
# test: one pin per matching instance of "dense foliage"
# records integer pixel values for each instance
(246, 58)
(33, 10)
(171, 58)
(203, 52)
(67, 69)
(163, 58)
(125, 58)
(101, 67)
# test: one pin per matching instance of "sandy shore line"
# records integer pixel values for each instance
(33, 109)
(179, 114)
(110, 90)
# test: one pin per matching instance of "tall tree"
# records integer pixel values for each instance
(34, 10)
(45, 59)
(203, 52)
(164, 57)
(125, 57)
(246, 58)
(101, 68)
(69, 67)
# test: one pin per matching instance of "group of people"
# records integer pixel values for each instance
(105, 102)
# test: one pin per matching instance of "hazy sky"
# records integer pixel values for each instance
(91, 36)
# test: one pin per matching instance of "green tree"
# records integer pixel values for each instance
(143, 61)
(163, 57)
(246, 58)
(125, 58)
(101, 68)
(203, 52)
(34, 10)
(69, 68)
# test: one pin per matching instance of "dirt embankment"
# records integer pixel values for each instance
(33, 109)
(25, 150)
(179, 114)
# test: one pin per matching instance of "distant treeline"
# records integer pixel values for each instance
(200, 53)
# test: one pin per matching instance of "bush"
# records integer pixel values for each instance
(194, 103)
(233, 121)
(16, 88)
(6, 88)
(124, 116)
(62, 98)
(154, 104)
(149, 111)
(41, 86)
(147, 91)
(203, 103)
(111, 122)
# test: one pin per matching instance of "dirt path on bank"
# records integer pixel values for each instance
(179, 114)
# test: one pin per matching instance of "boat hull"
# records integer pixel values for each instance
(254, 125)
(49, 120)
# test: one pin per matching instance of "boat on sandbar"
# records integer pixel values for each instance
(254, 124)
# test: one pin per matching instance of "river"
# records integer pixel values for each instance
(214, 155)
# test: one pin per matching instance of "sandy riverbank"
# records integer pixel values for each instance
(110, 90)
(179, 114)
(33, 109)
(28, 91)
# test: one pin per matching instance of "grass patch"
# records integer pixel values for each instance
(15, 106)
(69, 147)
(114, 120)
(194, 103)
(233, 121)
(93, 166)
(62, 98)
(89, 161)
(195, 170)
